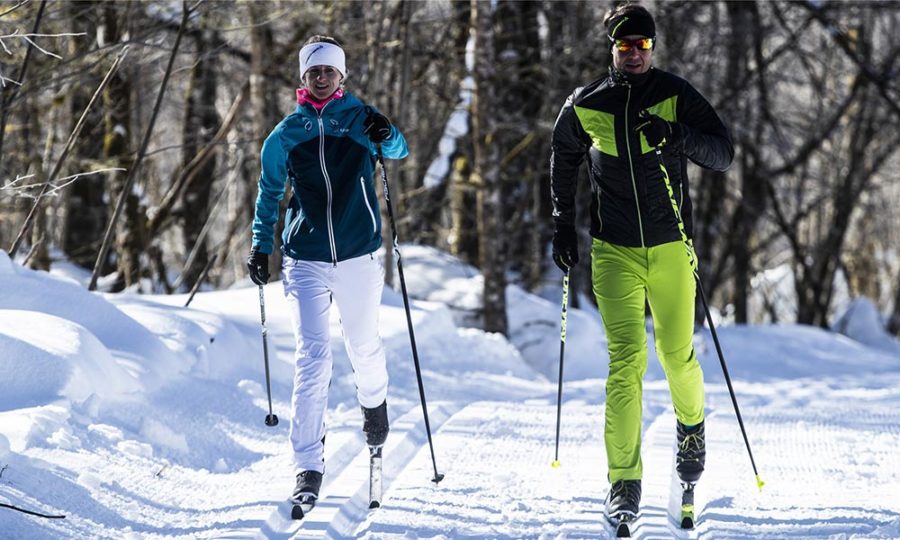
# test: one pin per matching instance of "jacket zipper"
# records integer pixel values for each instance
(631, 167)
(362, 184)
(331, 243)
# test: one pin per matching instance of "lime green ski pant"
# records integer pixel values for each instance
(623, 278)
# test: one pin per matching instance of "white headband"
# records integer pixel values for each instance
(322, 54)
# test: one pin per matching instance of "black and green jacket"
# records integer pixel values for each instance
(630, 205)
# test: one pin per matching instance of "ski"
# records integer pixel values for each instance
(374, 476)
(687, 506)
(300, 508)
(622, 524)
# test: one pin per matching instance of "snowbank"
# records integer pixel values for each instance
(46, 357)
(863, 323)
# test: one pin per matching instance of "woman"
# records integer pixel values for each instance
(639, 125)
(327, 149)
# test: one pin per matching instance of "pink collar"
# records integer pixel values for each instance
(304, 96)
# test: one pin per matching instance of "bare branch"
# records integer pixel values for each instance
(847, 45)
(126, 188)
(27, 38)
(15, 7)
(208, 225)
(189, 172)
(11, 187)
(72, 138)
(9, 96)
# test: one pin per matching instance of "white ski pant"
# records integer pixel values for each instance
(355, 285)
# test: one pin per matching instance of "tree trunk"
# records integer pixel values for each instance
(462, 238)
(521, 96)
(200, 125)
(39, 259)
(492, 252)
(86, 211)
(744, 21)
(117, 151)
(463, 235)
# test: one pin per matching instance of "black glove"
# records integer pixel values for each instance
(657, 131)
(377, 127)
(565, 247)
(258, 264)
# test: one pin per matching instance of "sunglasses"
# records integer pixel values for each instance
(625, 45)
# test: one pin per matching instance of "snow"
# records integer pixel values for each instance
(138, 418)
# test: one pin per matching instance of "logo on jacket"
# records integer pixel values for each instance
(336, 126)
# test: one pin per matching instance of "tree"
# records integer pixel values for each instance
(200, 126)
(486, 172)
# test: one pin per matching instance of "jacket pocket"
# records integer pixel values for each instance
(362, 185)
(293, 227)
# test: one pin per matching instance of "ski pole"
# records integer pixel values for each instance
(271, 419)
(562, 352)
(412, 336)
(737, 410)
(712, 327)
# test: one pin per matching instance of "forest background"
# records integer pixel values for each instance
(142, 122)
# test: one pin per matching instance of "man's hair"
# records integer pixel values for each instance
(624, 9)
(318, 38)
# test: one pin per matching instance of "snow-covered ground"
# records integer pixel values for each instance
(137, 418)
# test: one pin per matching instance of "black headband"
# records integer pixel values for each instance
(632, 24)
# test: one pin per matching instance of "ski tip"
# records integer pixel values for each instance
(374, 504)
(687, 522)
(759, 482)
(297, 512)
(437, 478)
(622, 531)
(556, 464)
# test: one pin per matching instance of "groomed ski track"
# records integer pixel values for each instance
(499, 483)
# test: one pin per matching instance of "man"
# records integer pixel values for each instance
(639, 126)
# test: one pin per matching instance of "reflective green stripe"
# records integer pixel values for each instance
(616, 27)
(600, 127)
(665, 109)
(688, 245)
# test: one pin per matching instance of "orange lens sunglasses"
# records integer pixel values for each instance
(625, 45)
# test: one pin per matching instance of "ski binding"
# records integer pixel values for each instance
(300, 508)
(687, 506)
(622, 523)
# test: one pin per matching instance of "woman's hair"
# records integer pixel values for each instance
(624, 9)
(318, 38)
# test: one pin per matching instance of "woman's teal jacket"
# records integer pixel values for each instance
(333, 213)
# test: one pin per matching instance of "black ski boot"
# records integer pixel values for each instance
(622, 504)
(375, 424)
(691, 456)
(306, 493)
